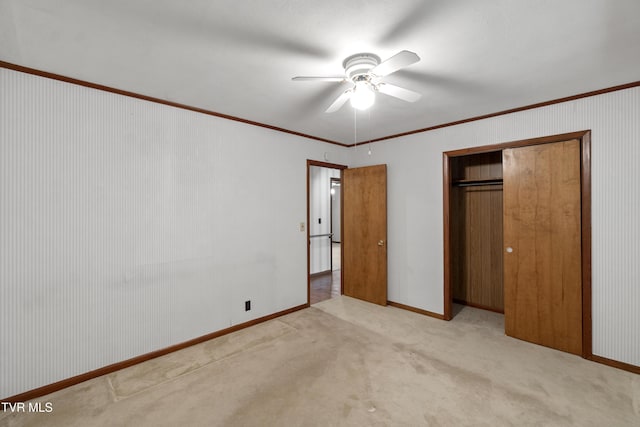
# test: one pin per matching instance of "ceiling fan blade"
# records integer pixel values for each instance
(340, 101)
(318, 79)
(399, 92)
(396, 62)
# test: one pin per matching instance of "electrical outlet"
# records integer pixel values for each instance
(247, 305)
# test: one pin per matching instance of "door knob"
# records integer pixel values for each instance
(509, 249)
(380, 242)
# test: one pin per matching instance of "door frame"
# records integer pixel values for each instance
(584, 137)
(329, 166)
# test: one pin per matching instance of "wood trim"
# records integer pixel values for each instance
(330, 166)
(517, 144)
(446, 201)
(325, 164)
(84, 83)
(36, 72)
(504, 112)
(585, 164)
(587, 325)
(474, 305)
(341, 233)
(47, 389)
(614, 363)
(416, 310)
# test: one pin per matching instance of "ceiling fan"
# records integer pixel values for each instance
(366, 71)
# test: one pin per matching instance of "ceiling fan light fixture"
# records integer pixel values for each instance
(363, 95)
(366, 72)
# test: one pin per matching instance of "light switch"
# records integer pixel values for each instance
(301, 226)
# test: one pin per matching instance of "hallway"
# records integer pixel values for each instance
(327, 286)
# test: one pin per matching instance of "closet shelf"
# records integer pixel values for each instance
(473, 182)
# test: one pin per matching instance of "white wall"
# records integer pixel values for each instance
(320, 208)
(128, 226)
(336, 200)
(415, 206)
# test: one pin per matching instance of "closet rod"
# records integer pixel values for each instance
(476, 183)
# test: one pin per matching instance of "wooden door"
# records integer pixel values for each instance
(364, 238)
(542, 242)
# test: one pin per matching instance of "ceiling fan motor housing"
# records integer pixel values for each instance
(359, 65)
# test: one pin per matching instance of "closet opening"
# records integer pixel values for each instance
(476, 231)
(517, 237)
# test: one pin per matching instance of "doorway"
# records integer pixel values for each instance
(363, 232)
(479, 260)
(324, 212)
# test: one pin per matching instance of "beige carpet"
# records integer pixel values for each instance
(346, 362)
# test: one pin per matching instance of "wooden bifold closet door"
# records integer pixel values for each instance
(542, 244)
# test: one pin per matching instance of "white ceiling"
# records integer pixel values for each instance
(238, 57)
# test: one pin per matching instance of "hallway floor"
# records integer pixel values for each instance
(327, 285)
